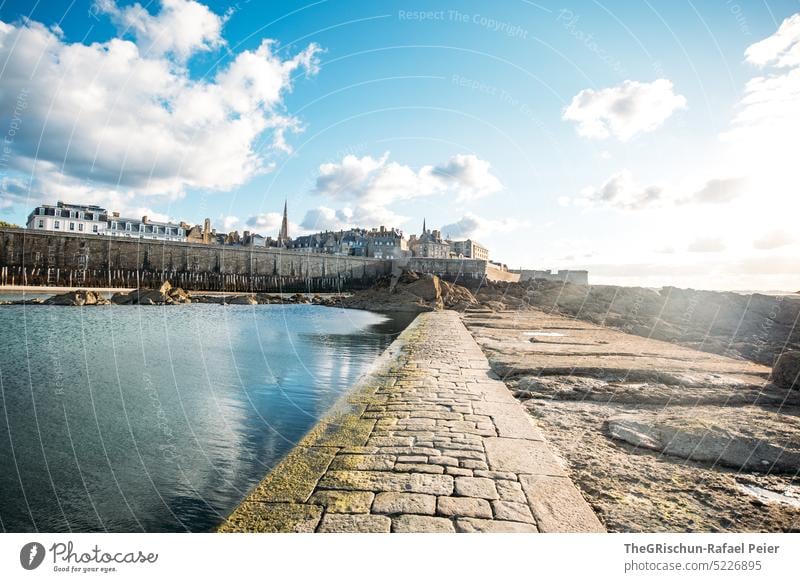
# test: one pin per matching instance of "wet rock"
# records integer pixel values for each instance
(242, 300)
(786, 372)
(166, 294)
(77, 298)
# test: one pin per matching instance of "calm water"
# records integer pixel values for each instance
(130, 418)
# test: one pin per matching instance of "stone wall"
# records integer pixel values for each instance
(467, 272)
(37, 258)
(577, 277)
(495, 273)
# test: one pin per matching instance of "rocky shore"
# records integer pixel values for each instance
(657, 436)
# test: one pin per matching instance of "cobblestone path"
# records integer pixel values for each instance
(430, 441)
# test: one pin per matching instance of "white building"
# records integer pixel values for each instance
(144, 228)
(85, 219)
(70, 218)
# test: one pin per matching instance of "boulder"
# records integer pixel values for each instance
(426, 287)
(786, 371)
(77, 298)
(166, 294)
(742, 438)
(242, 300)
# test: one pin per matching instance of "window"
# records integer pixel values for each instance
(57, 224)
(127, 226)
(40, 210)
(113, 226)
(41, 224)
(58, 212)
(80, 226)
(94, 228)
(72, 226)
(80, 215)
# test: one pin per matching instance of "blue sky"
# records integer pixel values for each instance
(638, 140)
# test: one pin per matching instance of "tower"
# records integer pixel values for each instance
(283, 235)
(423, 226)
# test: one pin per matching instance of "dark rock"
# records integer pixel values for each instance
(242, 300)
(786, 372)
(77, 298)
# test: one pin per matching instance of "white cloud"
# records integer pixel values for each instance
(469, 176)
(373, 184)
(127, 117)
(706, 245)
(718, 191)
(229, 223)
(473, 226)
(762, 140)
(774, 239)
(181, 28)
(378, 181)
(623, 111)
(324, 218)
(266, 222)
(621, 191)
(782, 49)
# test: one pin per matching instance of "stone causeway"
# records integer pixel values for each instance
(429, 441)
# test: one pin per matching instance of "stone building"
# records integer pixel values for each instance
(384, 243)
(429, 245)
(380, 243)
(468, 249)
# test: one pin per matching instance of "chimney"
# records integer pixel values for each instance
(144, 219)
(115, 214)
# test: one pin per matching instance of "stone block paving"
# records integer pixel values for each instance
(431, 441)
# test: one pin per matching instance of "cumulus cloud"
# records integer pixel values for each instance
(623, 111)
(782, 49)
(128, 118)
(473, 226)
(718, 191)
(621, 191)
(266, 221)
(378, 181)
(706, 245)
(774, 239)
(370, 185)
(229, 223)
(469, 176)
(181, 28)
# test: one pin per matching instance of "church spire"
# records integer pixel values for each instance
(423, 226)
(283, 235)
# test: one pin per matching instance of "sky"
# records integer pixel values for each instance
(652, 143)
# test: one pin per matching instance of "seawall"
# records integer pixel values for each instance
(429, 441)
(69, 260)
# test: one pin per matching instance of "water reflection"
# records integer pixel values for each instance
(161, 419)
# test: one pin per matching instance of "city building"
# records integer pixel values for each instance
(71, 218)
(90, 219)
(429, 244)
(144, 228)
(468, 249)
(383, 243)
